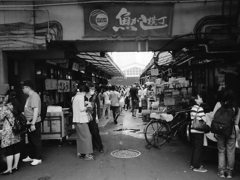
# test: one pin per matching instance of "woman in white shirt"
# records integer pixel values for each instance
(80, 118)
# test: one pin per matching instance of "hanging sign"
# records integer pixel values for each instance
(51, 84)
(55, 62)
(75, 66)
(64, 63)
(128, 20)
(63, 86)
(154, 72)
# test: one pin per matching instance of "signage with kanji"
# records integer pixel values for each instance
(63, 86)
(128, 20)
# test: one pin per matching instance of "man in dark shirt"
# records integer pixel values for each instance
(135, 100)
(93, 126)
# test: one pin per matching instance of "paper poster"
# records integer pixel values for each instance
(63, 86)
(51, 84)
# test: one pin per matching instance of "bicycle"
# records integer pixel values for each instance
(159, 131)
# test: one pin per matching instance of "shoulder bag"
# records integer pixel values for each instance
(20, 125)
(200, 125)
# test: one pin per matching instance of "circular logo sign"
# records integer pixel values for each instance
(98, 20)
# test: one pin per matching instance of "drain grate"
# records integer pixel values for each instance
(130, 153)
(45, 178)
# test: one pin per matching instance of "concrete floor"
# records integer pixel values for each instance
(169, 162)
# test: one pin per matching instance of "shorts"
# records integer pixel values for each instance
(135, 104)
(13, 149)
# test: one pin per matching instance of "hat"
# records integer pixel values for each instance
(28, 83)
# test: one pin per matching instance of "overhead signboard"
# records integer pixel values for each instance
(128, 20)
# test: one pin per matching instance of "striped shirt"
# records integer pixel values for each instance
(197, 111)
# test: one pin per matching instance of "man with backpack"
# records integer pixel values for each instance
(225, 125)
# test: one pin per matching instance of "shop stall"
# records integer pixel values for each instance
(55, 125)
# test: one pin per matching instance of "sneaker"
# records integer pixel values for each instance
(199, 170)
(27, 159)
(229, 174)
(221, 174)
(36, 162)
(191, 167)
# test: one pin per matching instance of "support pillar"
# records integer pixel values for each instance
(4, 86)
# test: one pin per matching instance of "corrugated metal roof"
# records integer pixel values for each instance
(163, 59)
(104, 63)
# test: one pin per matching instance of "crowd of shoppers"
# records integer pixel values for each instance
(91, 104)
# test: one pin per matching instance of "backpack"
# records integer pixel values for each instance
(223, 121)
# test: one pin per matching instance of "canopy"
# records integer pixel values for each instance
(103, 62)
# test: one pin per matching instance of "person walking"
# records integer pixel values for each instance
(91, 97)
(32, 111)
(106, 103)
(134, 99)
(197, 136)
(99, 91)
(81, 120)
(10, 142)
(227, 144)
(114, 98)
(141, 97)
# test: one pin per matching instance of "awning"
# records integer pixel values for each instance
(104, 63)
(163, 59)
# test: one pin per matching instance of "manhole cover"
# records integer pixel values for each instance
(45, 178)
(130, 153)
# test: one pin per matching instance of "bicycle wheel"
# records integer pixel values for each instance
(156, 133)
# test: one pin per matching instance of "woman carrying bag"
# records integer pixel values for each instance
(227, 144)
(10, 141)
(197, 136)
(81, 120)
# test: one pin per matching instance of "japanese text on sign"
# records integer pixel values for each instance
(51, 84)
(146, 23)
(63, 86)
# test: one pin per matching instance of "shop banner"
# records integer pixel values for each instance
(63, 86)
(128, 20)
(51, 84)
